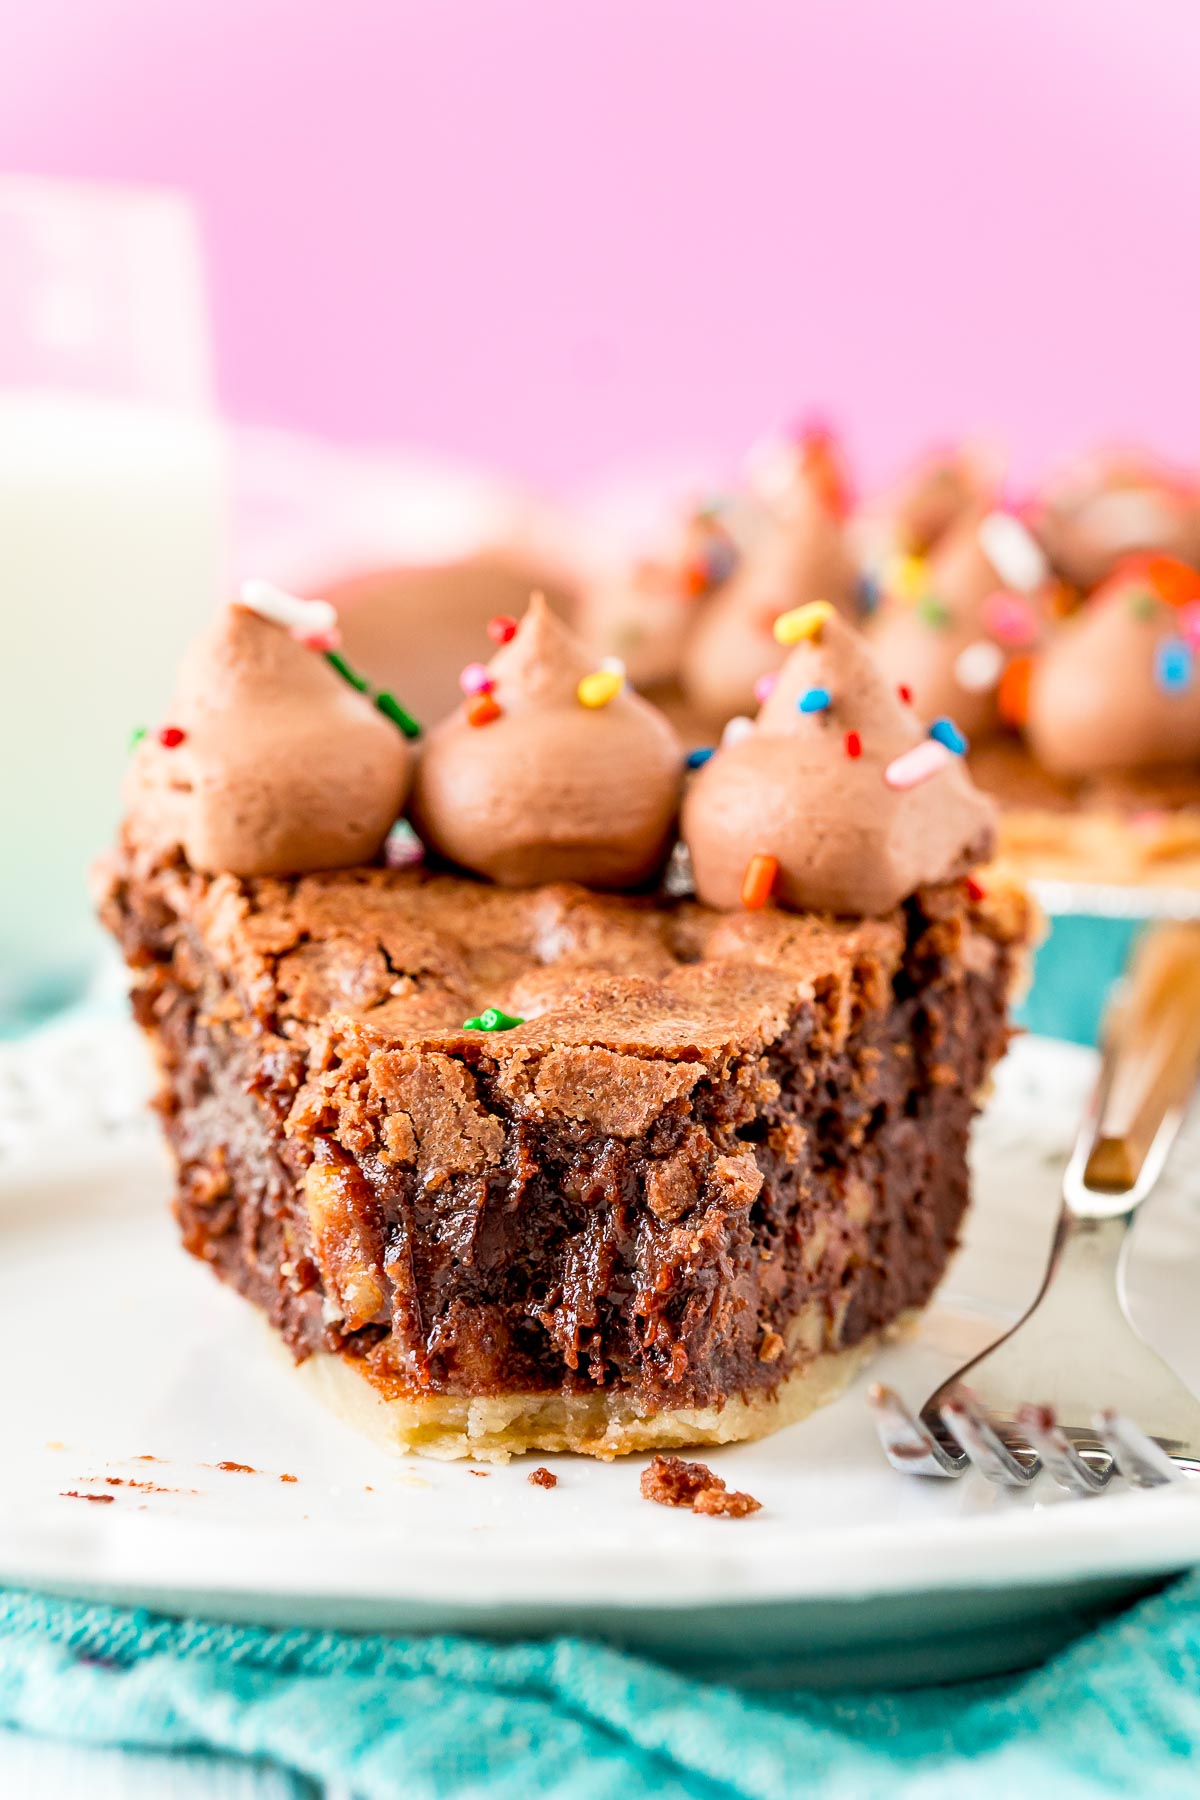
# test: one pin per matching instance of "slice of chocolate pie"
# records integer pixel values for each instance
(534, 1166)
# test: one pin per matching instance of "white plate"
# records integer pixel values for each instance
(117, 1346)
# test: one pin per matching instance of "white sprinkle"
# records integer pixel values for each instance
(979, 667)
(678, 881)
(303, 618)
(918, 764)
(736, 730)
(612, 665)
(402, 848)
(1013, 552)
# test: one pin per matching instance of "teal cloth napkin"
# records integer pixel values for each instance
(438, 1718)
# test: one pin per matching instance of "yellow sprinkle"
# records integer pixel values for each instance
(907, 577)
(802, 622)
(598, 688)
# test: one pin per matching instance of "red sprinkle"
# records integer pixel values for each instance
(483, 710)
(501, 628)
(170, 737)
(853, 744)
(905, 693)
(975, 891)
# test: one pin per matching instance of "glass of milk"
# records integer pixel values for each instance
(112, 537)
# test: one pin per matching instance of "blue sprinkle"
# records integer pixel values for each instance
(815, 699)
(697, 758)
(720, 560)
(1174, 665)
(945, 731)
(870, 593)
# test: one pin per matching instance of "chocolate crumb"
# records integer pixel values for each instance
(669, 1481)
(96, 1499)
(289, 1478)
(720, 1503)
(481, 1474)
(543, 1478)
(146, 1487)
(232, 1468)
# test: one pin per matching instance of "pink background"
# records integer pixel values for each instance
(548, 232)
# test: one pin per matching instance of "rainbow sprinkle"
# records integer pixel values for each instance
(136, 736)
(402, 848)
(765, 686)
(1013, 551)
(339, 663)
(907, 577)
(933, 612)
(171, 736)
(1010, 619)
(738, 728)
(815, 700)
(802, 622)
(978, 668)
(1174, 665)
(914, 766)
(502, 628)
(599, 688)
(1189, 620)
(305, 619)
(475, 679)
(696, 759)
(492, 1019)
(758, 881)
(905, 693)
(945, 731)
(483, 710)
(391, 709)
(853, 744)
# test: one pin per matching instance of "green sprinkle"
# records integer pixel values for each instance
(345, 671)
(391, 709)
(136, 736)
(933, 612)
(1143, 605)
(492, 1020)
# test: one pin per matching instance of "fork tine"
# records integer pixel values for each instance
(1059, 1454)
(907, 1445)
(1141, 1461)
(970, 1427)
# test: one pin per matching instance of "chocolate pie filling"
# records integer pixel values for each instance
(717, 1145)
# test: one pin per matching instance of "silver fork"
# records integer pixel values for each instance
(1072, 1387)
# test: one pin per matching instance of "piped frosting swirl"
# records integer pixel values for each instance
(554, 769)
(952, 624)
(802, 554)
(270, 763)
(836, 792)
(1118, 686)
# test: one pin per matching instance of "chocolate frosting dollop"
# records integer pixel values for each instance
(802, 554)
(548, 788)
(918, 510)
(1117, 687)
(949, 637)
(1108, 507)
(808, 788)
(270, 764)
(642, 608)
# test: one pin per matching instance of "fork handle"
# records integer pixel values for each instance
(1150, 1060)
